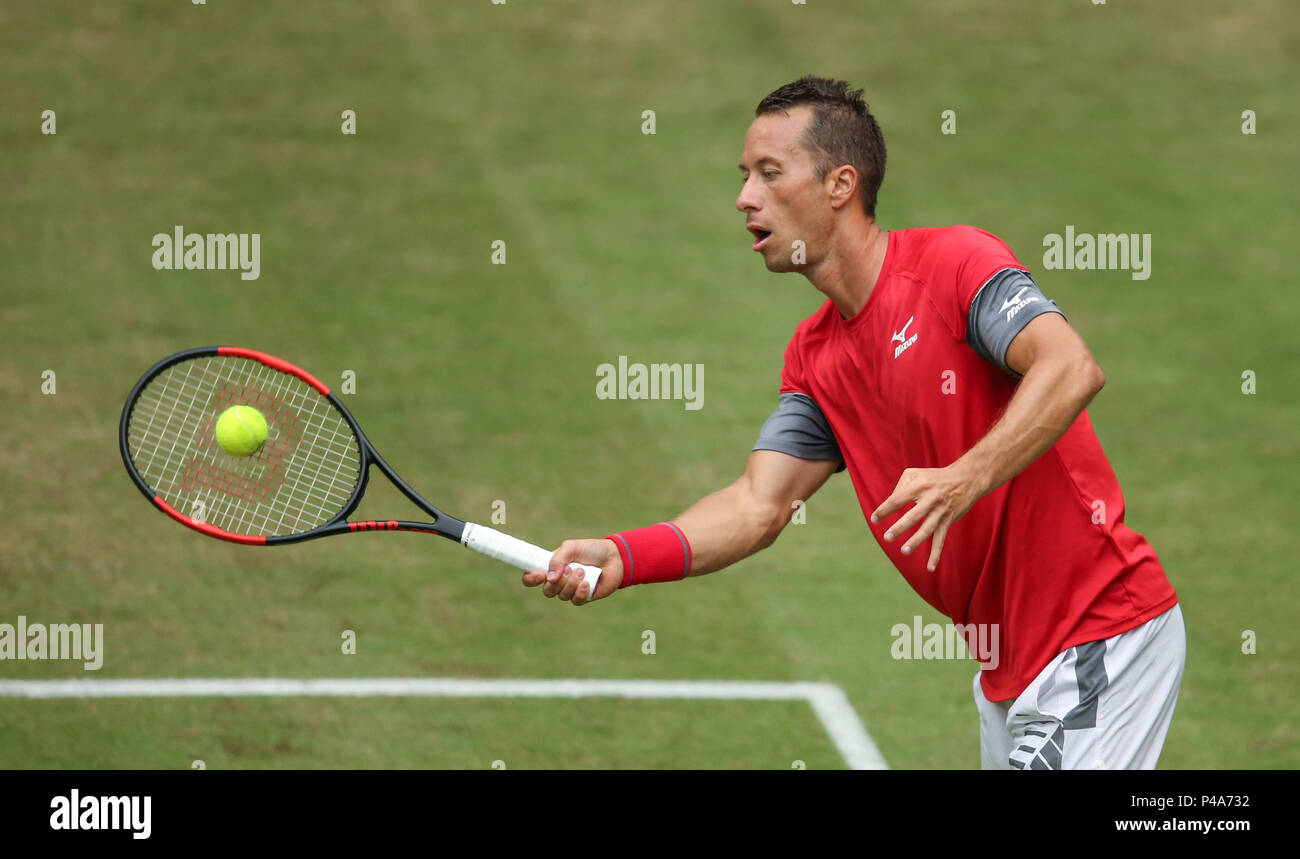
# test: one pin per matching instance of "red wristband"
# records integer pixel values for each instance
(659, 553)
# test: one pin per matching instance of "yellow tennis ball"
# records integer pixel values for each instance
(241, 430)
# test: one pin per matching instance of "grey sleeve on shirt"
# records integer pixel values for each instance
(799, 428)
(1003, 306)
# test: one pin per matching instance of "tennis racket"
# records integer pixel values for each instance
(304, 481)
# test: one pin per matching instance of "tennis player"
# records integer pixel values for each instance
(953, 392)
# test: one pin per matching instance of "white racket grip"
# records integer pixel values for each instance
(517, 553)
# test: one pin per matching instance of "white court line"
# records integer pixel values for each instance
(828, 701)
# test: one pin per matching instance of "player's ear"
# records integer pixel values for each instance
(840, 184)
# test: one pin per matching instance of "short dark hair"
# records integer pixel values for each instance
(841, 131)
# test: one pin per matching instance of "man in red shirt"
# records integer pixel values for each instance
(953, 392)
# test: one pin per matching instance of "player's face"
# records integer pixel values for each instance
(781, 197)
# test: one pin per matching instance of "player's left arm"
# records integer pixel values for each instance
(1060, 378)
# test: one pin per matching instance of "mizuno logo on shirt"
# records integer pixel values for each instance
(900, 336)
(1016, 304)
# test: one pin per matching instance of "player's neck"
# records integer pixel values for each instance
(848, 273)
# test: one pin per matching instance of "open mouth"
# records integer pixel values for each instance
(761, 235)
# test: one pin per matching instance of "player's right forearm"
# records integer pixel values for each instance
(719, 530)
(729, 526)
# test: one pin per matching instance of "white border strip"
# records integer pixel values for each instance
(827, 700)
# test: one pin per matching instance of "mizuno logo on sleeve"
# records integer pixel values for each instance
(1016, 304)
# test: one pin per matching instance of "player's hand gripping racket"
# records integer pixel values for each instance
(304, 481)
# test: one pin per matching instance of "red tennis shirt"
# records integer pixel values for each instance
(1046, 556)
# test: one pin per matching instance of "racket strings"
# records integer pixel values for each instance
(302, 477)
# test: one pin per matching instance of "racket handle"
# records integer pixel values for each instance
(517, 553)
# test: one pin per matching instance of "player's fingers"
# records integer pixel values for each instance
(889, 505)
(940, 534)
(585, 591)
(910, 519)
(570, 578)
(923, 533)
(582, 594)
(533, 579)
(903, 493)
(554, 587)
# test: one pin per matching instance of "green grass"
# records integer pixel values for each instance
(333, 733)
(522, 123)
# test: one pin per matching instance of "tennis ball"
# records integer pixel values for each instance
(241, 430)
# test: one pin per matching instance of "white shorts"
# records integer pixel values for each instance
(1102, 705)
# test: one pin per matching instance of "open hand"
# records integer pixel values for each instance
(942, 496)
